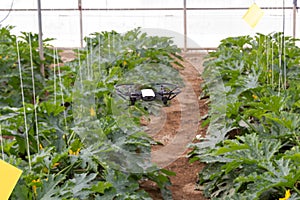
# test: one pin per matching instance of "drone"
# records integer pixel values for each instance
(148, 92)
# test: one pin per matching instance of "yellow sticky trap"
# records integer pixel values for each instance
(9, 176)
(253, 15)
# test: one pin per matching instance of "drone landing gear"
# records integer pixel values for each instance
(165, 100)
(132, 101)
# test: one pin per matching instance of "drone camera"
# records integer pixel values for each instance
(148, 94)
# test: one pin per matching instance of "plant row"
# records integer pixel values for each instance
(252, 148)
(65, 129)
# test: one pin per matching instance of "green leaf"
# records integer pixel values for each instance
(231, 145)
(82, 185)
(168, 173)
(50, 189)
(101, 187)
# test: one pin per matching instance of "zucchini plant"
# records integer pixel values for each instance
(252, 144)
(44, 139)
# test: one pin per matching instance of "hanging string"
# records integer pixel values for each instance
(54, 76)
(99, 57)
(267, 47)
(283, 43)
(113, 42)
(108, 44)
(87, 60)
(34, 95)
(271, 41)
(272, 62)
(7, 15)
(24, 106)
(80, 72)
(61, 89)
(279, 62)
(2, 147)
(267, 58)
(282, 64)
(90, 66)
(258, 49)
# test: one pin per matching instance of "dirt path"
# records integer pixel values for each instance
(175, 128)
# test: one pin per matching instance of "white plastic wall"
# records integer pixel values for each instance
(205, 28)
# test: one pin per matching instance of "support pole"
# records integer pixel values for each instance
(294, 18)
(80, 22)
(185, 27)
(41, 48)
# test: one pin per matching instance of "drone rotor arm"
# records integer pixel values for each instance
(173, 93)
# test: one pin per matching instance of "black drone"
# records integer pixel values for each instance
(148, 92)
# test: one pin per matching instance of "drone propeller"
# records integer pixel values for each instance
(124, 90)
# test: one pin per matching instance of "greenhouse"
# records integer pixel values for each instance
(140, 99)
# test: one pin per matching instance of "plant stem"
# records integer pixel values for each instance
(296, 189)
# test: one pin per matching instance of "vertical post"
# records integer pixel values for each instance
(294, 18)
(80, 22)
(41, 48)
(185, 27)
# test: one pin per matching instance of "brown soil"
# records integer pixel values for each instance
(175, 128)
